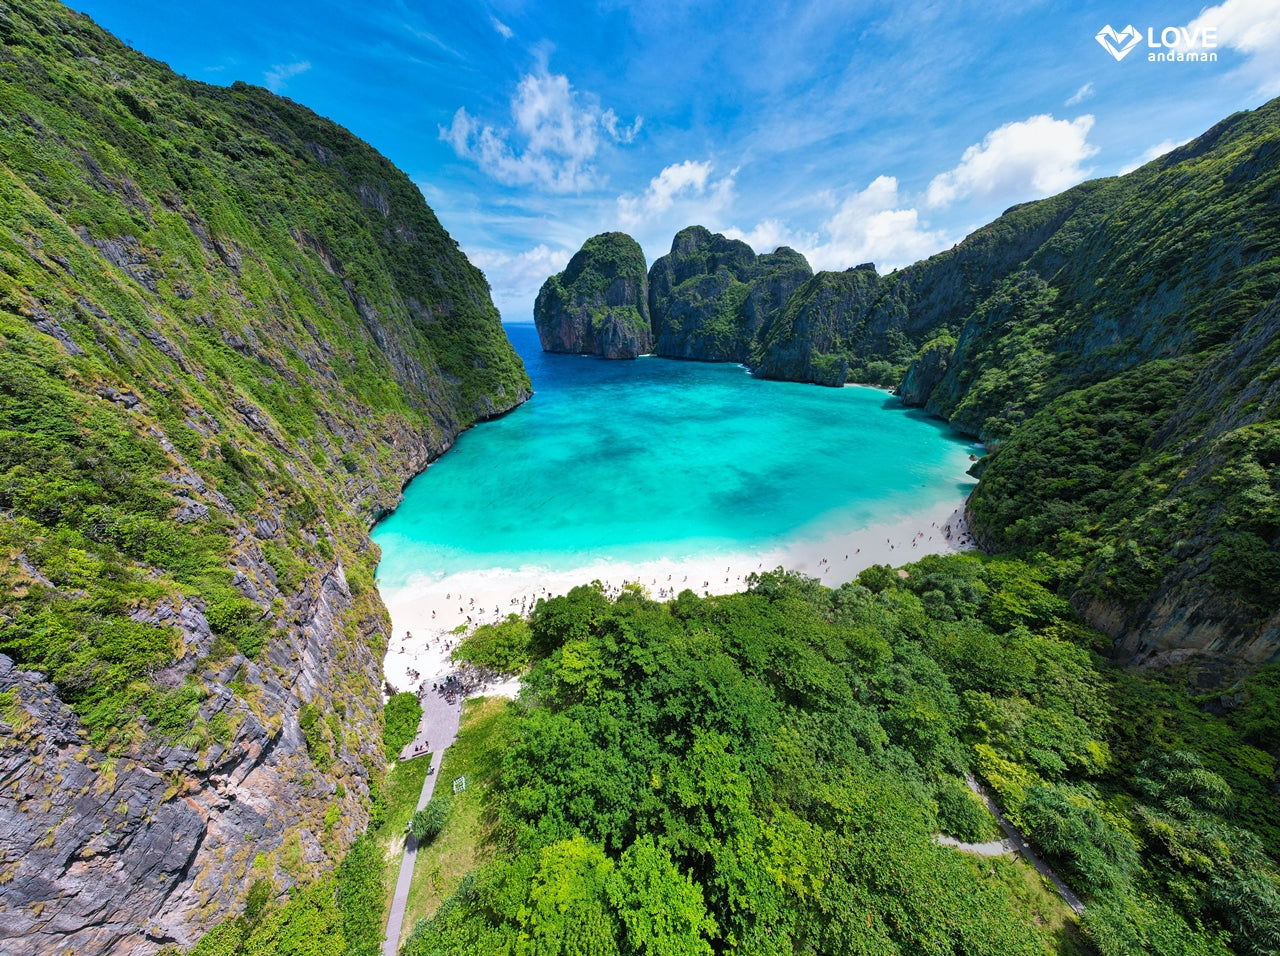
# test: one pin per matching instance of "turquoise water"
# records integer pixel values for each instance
(636, 461)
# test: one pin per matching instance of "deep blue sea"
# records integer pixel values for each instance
(657, 458)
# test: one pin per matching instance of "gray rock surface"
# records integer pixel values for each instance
(599, 305)
(710, 295)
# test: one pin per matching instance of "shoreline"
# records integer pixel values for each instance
(424, 614)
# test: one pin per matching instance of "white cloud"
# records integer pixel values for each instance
(1019, 161)
(687, 186)
(1159, 149)
(1080, 95)
(557, 127)
(502, 28)
(609, 120)
(279, 75)
(875, 225)
(769, 234)
(1251, 27)
(516, 279)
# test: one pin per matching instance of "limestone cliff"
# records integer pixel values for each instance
(710, 296)
(927, 370)
(874, 334)
(229, 333)
(809, 342)
(600, 304)
(1138, 344)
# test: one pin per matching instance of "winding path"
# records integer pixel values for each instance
(1017, 844)
(439, 725)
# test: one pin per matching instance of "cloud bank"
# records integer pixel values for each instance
(686, 187)
(1019, 161)
(556, 136)
(1252, 28)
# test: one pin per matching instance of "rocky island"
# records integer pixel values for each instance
(599, 305)
(710, 296)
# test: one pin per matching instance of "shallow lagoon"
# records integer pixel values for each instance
(661, 459)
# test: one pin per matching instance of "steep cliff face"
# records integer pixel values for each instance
(811, 340)
(600, 304)
(710, 296)
(1128, 372)
(229, 333)
(875, 334)
(1163, 485)
(927, 370)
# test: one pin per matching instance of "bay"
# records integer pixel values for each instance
(663, 459)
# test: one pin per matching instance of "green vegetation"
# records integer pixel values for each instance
(710, 296)
(429, 821)
(503, 647)
(341, 914)
(775, 763)
(396, 809)
(822, 335)
(466, 840)
(600, 261)
(345, 914)
(698, 297)
(403, 714)
(212, 297)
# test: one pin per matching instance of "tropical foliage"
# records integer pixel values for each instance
(780, 760)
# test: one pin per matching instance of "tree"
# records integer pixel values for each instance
(663, 912)
(427, 823)
(568, 912)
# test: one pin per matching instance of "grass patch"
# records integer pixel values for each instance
(463, 843)
(1036, 899)
(403, 786)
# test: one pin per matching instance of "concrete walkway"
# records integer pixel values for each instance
(436, 731)
(1019, 845)
(990, 848)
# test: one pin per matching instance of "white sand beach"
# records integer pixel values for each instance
(423, 615)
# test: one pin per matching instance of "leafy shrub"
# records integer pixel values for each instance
(315, 734)
(402, 715)
(502, 647)
(429, 821)
(360, 893)
(962, 814)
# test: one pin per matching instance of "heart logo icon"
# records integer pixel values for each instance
(1118, 44)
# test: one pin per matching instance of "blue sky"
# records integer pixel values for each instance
(853, 132)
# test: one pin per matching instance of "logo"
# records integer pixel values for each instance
(1119, 44)
(1189, 44)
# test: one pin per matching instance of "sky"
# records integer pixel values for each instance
(854, 132)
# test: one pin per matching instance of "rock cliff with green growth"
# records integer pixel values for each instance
(599, 305)
(1126, 372)
(710, 296)
(1116, 346)
(229, 333)
(858, 326)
